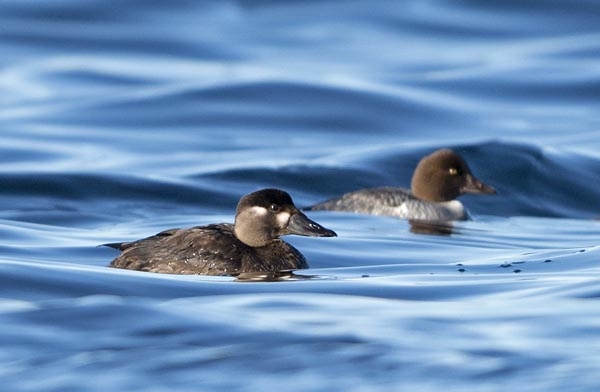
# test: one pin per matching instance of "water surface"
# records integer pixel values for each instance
(122, 121)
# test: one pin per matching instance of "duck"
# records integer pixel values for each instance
(437, 181)
(251, 244)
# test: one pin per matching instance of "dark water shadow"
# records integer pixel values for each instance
(442, 228)
(276, 276)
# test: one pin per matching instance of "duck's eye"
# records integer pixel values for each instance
(453, 171)
(274, 208)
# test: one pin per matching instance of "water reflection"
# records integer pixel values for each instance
(431, 227)
(273, 276)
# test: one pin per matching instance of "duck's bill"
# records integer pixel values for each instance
(476, 186)
(300, 224)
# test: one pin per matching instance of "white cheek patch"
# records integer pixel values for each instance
(283, 218)
(260, 211)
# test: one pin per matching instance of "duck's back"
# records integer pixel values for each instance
(205, 250)
(376, 201)
(392, 201)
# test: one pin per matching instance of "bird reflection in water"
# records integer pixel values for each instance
(273, 276)
(431, 227)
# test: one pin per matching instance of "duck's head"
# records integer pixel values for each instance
(443, 176)
(265, 215)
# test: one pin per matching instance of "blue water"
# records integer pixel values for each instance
(122, 120)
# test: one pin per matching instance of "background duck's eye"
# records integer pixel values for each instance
(274, 208)
(453, 171)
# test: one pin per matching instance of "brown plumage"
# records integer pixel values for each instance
(252, 244)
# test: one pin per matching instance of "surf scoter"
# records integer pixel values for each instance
(251, 244)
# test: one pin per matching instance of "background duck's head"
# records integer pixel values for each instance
(443, 176)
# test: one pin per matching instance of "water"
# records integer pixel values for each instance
(121, 121)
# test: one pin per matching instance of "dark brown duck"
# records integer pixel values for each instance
(251, 244)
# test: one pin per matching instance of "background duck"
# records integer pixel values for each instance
(438, 180)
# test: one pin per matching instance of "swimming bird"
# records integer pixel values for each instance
(251, 244)
(438, 180)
